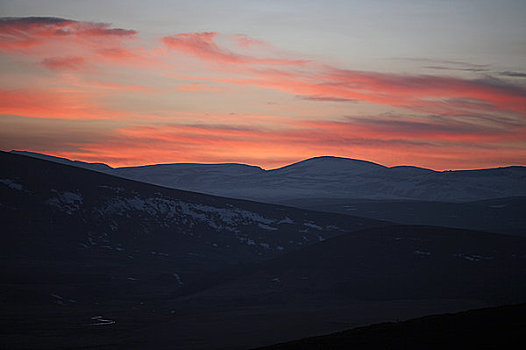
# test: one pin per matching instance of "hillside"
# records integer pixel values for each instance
(93, 260)
(491, 328)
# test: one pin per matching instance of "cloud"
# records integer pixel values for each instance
(71, 103)
(64, 63)
(435, 120)
(465, 69)
(424, 93)
(80, 45)
(244, 41)
(513, 74)
(326, 99)
(432, 143)
(194, 87)
(57, 103)
(51, 136)
(431, 94)
(448, 64)
(435, 129)
(24, 32)
(204, 47)
(310, 80)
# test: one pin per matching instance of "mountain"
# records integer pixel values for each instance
(79, 247)
(328, 177)
(92, 210)
(93, 260)
(487, 200)
(356, 279)
(489, 328)
(500, 215)
(92, 166)
(399, 262)
(327, 167)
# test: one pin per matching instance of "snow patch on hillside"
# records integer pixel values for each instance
(422, 252)
(287, 220)
(168, 212)
(310, 224)
(12, 184)
(473, 258)
(67, 202)
(267, 227)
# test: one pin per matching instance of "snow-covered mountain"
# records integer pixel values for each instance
(326, 177)
(94, 260)
(105, 212)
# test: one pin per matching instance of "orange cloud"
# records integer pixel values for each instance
(78, 42)
(193, 87)
(428, 94)
(203, 46)
(447, 120)
(61, 63)
(317, 82)
(65, 103)
(389, 145)
(244, 41)
(420, 130)
(24, 32)
(408, 88)
(58, 103)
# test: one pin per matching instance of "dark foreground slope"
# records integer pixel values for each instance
(396, 263)
(364, 277)
(90, 260)
(491, 328)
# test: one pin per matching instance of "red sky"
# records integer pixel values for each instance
(94, 91)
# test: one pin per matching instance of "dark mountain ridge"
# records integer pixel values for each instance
(488, 328)
(329, 177)
(486, 199)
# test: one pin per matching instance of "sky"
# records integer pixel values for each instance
(437, 84)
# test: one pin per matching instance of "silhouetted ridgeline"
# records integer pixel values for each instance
(491, 328)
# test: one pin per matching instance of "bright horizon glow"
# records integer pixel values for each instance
(417, 83)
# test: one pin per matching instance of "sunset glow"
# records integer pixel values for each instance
(165, 91)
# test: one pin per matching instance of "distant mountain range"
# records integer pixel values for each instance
(323, 177)
(93, 260)
(487, 199)
(99, 205)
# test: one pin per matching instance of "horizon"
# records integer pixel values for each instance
(19, 152)
(404, 83)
